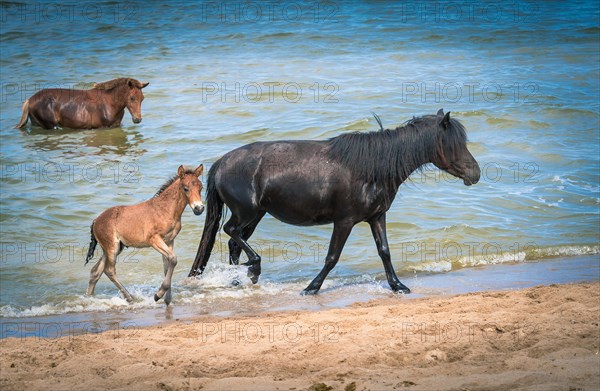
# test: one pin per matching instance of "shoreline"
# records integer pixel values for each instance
(543, 337)
(467, 280)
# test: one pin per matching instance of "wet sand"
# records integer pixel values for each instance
(540, 338)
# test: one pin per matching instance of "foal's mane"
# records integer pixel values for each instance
(170, 181)
(383, 155)
(109, 85)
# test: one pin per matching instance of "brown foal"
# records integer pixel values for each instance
(153, 223)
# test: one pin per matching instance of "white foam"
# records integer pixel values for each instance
(446, 265)
(217, 284)
(80, 303)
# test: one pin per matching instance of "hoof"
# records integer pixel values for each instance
(401, 289)
(253, 274)
(310, 292)
(235, 283)
(156, 298)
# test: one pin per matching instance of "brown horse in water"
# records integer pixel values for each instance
(153, 223)
(103, 106)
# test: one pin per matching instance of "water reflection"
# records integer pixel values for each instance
(119, 141)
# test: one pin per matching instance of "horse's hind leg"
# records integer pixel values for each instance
(96, 273)
(234, 249)
(380, 236)
(341, 231)
(43, 114)
(234, 228)
(111, 271)
(234, 252)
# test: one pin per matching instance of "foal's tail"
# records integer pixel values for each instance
(214, 213)
(92, 247)
(24, 115)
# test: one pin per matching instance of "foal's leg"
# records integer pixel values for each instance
(111, 271)
(341, 231)
(378, 229)
(233, 228)
(96, 273)
(234, 249)
(166, 269)
(159, 245)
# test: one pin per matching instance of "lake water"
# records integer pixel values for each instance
(522, 77)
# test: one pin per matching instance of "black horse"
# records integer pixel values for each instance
(345, 180)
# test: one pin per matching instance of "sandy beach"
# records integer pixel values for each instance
(540, 338)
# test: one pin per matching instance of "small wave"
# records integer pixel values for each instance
(79, 304)
(442, 265)
(570, 111)
(561, 251)
(226, 286)
(502, 122)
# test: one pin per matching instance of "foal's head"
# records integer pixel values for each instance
(192, 187)
(135, 96)
(452, 154)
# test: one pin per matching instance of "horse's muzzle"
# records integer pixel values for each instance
(137, 120)
(472, 176)
(198, 210)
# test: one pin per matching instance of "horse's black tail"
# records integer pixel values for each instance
(214, 213)
(92, 247)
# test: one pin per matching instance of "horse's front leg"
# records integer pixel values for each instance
(341, 231)
(167, 252)
(379, 234)
(166, 269)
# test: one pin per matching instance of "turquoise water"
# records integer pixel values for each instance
(523, 78)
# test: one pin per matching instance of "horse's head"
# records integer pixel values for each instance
(135, 96)
(452, 154)
(192, 187)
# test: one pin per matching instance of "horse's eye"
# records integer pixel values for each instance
(132, 98)
(186, 189)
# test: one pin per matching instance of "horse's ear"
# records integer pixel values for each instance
(446, 121)
(181, 172)
(198, 171)
(440, 112)
(144, 85)
(129, 83)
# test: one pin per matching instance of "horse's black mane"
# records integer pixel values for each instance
(170, 181)
(384, 155)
